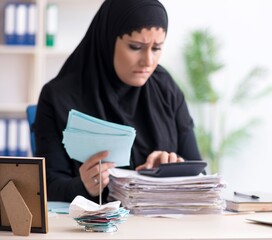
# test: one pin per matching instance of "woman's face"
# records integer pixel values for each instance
(136, 56)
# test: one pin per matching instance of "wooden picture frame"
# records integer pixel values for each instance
(28, 176)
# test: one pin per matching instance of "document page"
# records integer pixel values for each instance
(85, 136)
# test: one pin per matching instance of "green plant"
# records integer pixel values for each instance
(214, 136)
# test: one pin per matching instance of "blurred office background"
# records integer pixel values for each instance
(242, 30)
(240, 27)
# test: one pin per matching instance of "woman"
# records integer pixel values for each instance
(114, 75)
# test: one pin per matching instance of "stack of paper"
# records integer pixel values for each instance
(97, 218)
(171, 195)
(85, 136)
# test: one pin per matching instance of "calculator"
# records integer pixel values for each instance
(177, 169)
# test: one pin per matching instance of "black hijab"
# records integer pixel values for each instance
(87, 82)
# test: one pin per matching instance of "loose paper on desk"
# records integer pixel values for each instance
(85, 136)
(97, 218)
(58, 207)
(81, 206)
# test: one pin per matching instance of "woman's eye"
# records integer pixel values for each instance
(134, 47)
(156, 49)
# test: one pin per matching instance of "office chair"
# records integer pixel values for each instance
(30, 114)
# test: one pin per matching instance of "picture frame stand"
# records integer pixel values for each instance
(19, 215)
(23, 195)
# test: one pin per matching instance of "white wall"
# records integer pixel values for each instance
(243, 29)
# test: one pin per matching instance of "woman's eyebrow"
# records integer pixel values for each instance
(143, 43)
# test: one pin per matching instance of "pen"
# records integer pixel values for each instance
(246, 195)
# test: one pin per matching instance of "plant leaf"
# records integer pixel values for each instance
(233, 141)
(200, 56)
(246, 87)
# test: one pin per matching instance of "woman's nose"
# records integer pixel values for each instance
(147, 58)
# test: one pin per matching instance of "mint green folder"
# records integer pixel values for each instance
(85, 136)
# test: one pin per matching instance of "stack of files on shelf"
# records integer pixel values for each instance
(144, 195)
(20, 23)
(85, 136)
(14, 137)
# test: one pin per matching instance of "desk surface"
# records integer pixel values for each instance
(187, 227)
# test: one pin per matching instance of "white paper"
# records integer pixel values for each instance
(81, 206)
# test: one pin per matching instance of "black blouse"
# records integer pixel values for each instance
(88, 83)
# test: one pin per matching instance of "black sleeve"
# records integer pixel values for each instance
(62, 173)
(188, 148)
(187, 144)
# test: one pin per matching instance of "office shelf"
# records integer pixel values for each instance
(25, 69)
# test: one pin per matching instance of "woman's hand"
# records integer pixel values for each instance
(157, 157)
(89, 173)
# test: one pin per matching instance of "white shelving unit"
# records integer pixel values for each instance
(25, 69)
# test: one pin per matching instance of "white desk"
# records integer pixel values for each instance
(188, 227)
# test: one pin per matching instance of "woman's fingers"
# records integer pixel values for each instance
(158, 157)
(94, 160)
(152, 158)
(104, 178)
(94, 171)
(149, 161)
(92, 182)
(180, 159)
(89, 173)
(163, 158)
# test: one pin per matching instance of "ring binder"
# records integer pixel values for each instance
(3, 137)
(51, 24)
(31, 24)
(12, 139)
(9, 24)
(21, 24)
